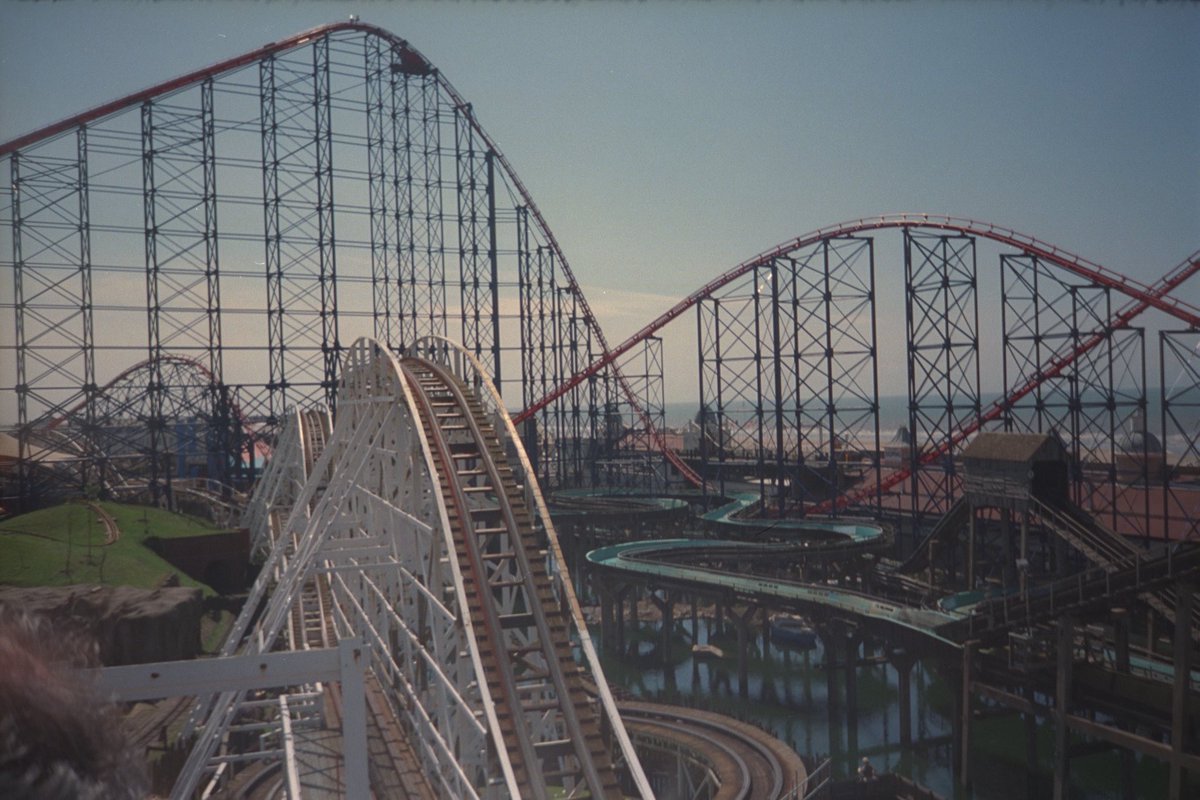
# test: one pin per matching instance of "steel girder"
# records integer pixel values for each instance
(636, 464)
(1179, 377)
(374, 522)
(1094, 404)
(788, 374)
(373, 177)
(942, 316)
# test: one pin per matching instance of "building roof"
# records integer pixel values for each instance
(1014, 447)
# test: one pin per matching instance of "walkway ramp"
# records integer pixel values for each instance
(1107, 550)
(949, 526)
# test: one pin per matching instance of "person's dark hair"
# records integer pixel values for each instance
(58, 739)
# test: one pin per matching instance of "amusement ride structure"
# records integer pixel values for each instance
(334, 187)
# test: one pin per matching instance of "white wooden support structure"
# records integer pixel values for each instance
(344, 664)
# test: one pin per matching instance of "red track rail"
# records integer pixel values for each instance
(1144, 297)
(1155, 296)
(418, 62)
(1058, 363)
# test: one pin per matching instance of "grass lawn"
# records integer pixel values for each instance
(65, 545)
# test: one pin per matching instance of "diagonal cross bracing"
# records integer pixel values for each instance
(445, 575)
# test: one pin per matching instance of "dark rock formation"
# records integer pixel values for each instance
(128, 625)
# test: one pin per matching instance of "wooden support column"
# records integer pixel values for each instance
(1062, 707)
(1184, 600)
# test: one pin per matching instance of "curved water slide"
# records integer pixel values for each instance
(667, 561)
(704, 564)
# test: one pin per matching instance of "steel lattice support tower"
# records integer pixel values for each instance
(478, 279)
(788, 372)
(941, 312)
(52, 289)
(270, 206)
(1179, 377)
(574, 427)
(301, 266)
(737, 375)
(829, 317)
(634, 462)
(1095, 404)
(377, 62)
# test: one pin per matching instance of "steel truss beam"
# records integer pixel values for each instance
(941, 313)
(373, 176)
(788, 375)
(1179, 377)
(1095, 404)
(634, 462)
(301, 257)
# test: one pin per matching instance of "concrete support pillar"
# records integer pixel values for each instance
(929, 567)
(666, 606)
(766, 631)
(1120, 621)
(971, 548)
(1024, 557)
(850, 644)
(1010, 552)
(954, 674)
(607, 632)
(1062, 707)
(620, 609)
(1031, 744)
(832, 635)
(633, 608)
(1184, 600)
(902, 661)
(741, 622)
(966, 714)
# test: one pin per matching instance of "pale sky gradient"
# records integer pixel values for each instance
(667, 141)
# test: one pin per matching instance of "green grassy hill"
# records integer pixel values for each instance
(65, 545)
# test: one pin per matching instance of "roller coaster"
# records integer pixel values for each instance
(401, 505)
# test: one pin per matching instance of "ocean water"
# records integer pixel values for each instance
(1180, 436)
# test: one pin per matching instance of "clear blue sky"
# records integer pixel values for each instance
(667, 141)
